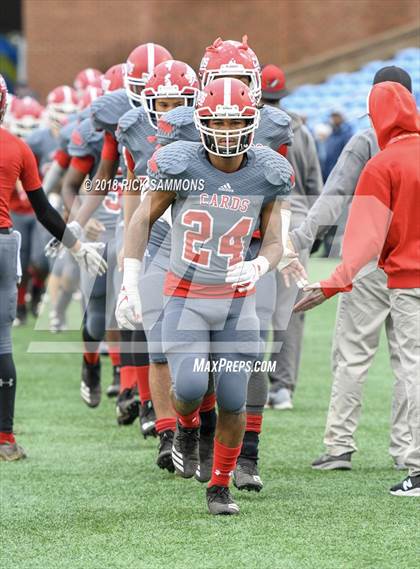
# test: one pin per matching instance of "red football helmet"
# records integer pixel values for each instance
(86, 77)
(139, 65)
(27, 116)
(233, 59)
(3, 98)
(113, 78)
(227, 98)
(170, 79)
(61, 102)
(89, 95)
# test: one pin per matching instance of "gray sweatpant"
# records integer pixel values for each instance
(8, 289)
(360, 317)
(405, 312)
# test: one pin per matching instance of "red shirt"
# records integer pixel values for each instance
(19, 202)
(384, 218)
(17, 162)
(110, 148)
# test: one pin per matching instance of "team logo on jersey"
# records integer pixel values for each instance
(225, 188)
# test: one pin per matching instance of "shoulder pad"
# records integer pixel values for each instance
(85, 140)
(173, 159)
(277, 170)
(107, 110)
(65, 134)
(177, 124)
(132, 128)
(275, 128)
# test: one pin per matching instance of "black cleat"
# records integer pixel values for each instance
(90, 387)
(164, 459)
(329, 462)
(246, 475)
(114, 388)
(410, 486)
(11, 451)
(185, 455)
(147, 420)
(21, 316)
(220, 501)
(127, 407)
(36, 299)
(203, 472)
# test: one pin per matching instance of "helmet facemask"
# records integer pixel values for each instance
(151, 95)
(236, 71)
(227, 142)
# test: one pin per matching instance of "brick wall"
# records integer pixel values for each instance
(63, 36)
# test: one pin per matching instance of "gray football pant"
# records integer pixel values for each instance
(287, 333)
(227, 330)
(360, 317)
(405, 312)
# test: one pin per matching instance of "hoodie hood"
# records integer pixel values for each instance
(393, 111)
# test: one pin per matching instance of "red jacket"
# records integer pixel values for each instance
(384, 218)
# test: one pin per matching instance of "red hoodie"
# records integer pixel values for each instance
(384, 218)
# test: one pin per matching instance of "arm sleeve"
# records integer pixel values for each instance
(29, 170)
(50, 218)
(335, 197)
(110, 148)
(366, 229)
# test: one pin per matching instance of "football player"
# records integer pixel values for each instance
(18, 162)
(26, 117)
(210, 311)
(106, 113)
(172, 84)
(235, 59)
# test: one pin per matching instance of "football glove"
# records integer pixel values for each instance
(244, 275)
(128, 309)
(89, 258)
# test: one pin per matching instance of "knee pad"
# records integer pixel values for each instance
(95, 322)
(188, 384)
(231, 391)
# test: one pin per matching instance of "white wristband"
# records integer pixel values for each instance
(131, 276)
(262, 264)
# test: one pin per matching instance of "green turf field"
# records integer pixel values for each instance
(89, 496)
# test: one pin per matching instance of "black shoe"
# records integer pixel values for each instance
(329, 462)
(21, 316)
(36, 299)
(114, 388)
(203, 472)
(90, 387)
(164, 459)
(246, 475)
(220, 501)
(185, 455)
(410, 486)
(127, 407)
(147, 420)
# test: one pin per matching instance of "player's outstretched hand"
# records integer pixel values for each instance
(315, 297)
(291, 269)
(89, 257)
(128, 310)
(52, 248)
